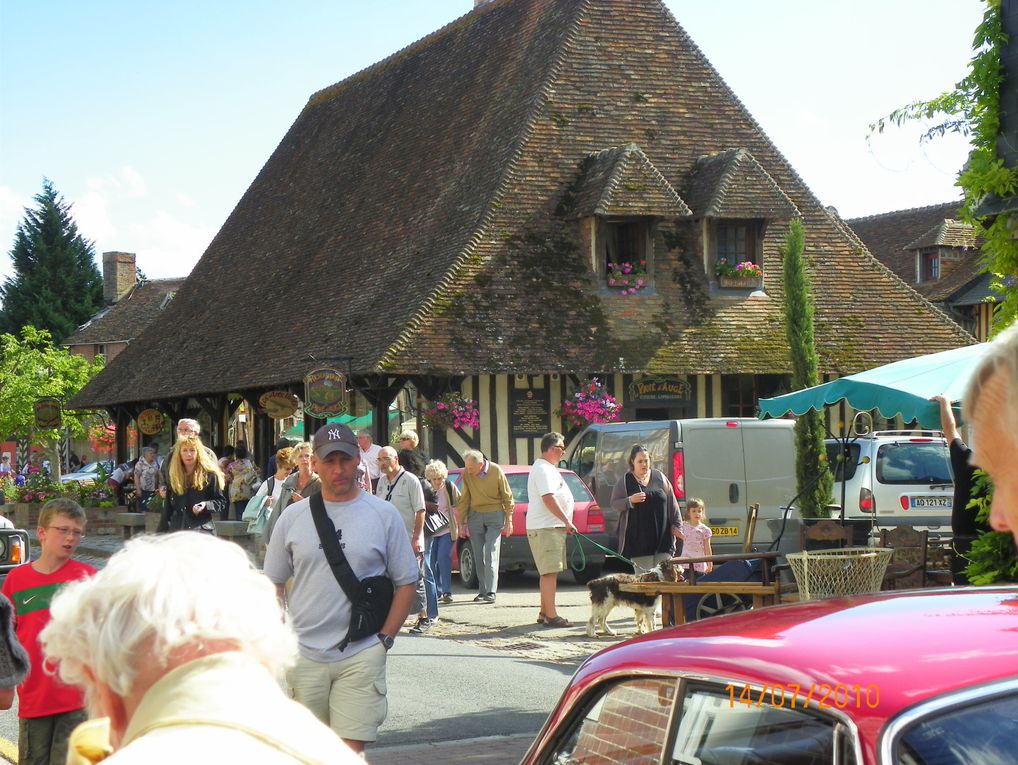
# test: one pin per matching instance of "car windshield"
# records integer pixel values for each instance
(913, 462)
(983, 732)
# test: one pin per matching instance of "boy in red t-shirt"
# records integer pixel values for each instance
(48, 709)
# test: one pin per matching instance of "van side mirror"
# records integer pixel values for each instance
(563, 464)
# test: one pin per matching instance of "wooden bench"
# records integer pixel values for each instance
(764, 593)
(130, 524)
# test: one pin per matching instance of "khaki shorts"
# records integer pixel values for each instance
(549, 549)
(348, 695)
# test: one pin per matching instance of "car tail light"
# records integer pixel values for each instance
(679, 473)
(595, 519)
(731, 424)
(920, 440)
(903, 499)
(17, 551)
(866, 502)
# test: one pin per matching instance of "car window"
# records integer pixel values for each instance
(719, 726)
(913, 463)
(582, 462)
(580, 492)
(518, 486)
(626, 723)
(843, 470)
(984, 732)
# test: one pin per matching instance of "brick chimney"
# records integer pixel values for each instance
(120, 272)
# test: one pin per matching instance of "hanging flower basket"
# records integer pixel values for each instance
(591, 402)
(452, 411)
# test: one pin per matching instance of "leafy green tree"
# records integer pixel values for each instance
(32, 367)
(811, 471)
(56, 285)
(972, 109)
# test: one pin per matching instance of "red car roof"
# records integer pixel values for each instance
(911, 645)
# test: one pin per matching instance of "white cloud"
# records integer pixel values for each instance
(185, 200)
(133, 182)
(12, 210)
(168, 247)
(92, 214)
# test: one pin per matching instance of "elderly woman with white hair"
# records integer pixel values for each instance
(441, 527)
(179, 642)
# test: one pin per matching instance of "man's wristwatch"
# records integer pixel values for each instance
(386, 640)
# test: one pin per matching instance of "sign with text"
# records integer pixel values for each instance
(150, 421)
(47, 413)
(530, 413)
(325, 393)
(278, 404)
(659, 389)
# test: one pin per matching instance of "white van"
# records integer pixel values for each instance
(729, 463)
(895, 478)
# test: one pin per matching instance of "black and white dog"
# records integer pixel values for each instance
(605, 595)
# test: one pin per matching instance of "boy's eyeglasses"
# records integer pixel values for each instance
(68, 532)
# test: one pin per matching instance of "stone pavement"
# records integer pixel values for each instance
(509, 626)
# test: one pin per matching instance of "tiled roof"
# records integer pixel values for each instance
(948, 233)
(622, 181)
(731, 184)
(125, 319)
(887, 235)
(411, 221)
(978, 291)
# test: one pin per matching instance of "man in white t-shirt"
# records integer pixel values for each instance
(549, 520)
(369, 456)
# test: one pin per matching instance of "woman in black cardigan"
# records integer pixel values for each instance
(195, 488)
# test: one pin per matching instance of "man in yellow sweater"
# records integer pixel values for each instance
(486, 509)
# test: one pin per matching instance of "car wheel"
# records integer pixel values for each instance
(719, 603)
(468, 571)
(590, 573)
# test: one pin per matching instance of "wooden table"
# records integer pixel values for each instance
(764, 593)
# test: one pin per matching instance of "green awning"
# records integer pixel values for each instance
(364, 422)
(902, 387)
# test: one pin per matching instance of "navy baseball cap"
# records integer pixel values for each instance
(335, 437)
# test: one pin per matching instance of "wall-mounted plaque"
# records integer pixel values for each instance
(530, 414)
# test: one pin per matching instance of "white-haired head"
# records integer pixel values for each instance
(1001, 358)
(188, 427)
(157, 599)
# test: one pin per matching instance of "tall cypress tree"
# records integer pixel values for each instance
(811, 456)
(55, 285)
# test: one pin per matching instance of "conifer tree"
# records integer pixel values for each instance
(56, 285)
(811, 456)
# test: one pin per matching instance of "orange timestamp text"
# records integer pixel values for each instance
(791, 695)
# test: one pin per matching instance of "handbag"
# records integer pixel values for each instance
(370, 599)
(256, 511)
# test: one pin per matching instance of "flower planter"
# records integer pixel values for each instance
(737, 283)
(101, 521)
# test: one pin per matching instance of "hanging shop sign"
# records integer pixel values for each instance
(47, 413)
(325, 393)
(659, 389)
(150, 421)
(279, 404)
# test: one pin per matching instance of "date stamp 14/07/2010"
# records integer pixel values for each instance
(792, 696)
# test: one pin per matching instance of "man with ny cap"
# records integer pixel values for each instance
(345, 688)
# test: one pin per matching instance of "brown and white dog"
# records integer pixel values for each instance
(605, 595)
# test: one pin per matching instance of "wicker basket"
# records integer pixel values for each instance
(833, 573)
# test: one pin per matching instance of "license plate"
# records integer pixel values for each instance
(725, 531)
(930, 501)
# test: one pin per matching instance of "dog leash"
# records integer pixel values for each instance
(608, 553)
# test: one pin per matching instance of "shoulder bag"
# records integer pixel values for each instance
(370, 599)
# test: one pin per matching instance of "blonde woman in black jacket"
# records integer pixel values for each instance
(194, 490)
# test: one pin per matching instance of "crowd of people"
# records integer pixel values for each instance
(175, 648)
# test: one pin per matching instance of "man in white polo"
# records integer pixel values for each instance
(369, 456)
(344, 688)
(549, 520)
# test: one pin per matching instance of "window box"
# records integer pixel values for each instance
(739, 283)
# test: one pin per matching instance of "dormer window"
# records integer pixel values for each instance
(623, 254)
(929, 266)
(736, 241)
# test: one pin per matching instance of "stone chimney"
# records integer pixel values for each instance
(120, 272)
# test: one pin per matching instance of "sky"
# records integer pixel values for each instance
(152, 119)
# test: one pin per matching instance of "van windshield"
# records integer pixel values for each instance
(910, 462)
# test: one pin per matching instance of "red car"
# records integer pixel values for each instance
(515, 552)
(912, 678)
